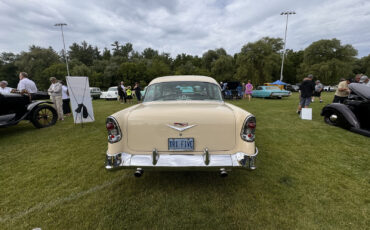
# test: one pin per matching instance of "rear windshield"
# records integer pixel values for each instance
(183, 90)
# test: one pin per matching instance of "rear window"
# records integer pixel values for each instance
(183, 90)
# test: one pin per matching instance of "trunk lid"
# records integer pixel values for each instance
(214, 125)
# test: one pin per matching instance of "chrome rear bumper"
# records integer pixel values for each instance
(182, 161)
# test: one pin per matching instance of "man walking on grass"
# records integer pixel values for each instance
(306, 90)
(318, 89)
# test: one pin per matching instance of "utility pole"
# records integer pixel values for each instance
(287, 13)
(64, 45)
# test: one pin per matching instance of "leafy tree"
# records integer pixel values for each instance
(328, 60)
(8, 70)
(223, 68)
(149, 53)
(84, 53)
(106, 54)
(81, 70)
(259, 61)
(35, 61)
(57, 70)
(292, 63)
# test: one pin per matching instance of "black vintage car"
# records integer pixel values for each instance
(354, 113)
(16, 107)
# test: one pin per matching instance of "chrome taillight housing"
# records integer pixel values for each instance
(114, 132)
(249, 129)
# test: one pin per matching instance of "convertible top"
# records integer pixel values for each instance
(361, 90)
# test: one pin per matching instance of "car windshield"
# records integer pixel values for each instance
(112, 89)
(183, 90)
(272, 87)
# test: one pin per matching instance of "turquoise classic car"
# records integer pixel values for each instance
(270, 92)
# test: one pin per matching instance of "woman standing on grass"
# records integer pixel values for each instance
(248, 90)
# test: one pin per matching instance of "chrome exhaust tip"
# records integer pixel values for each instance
(139, 172)
(223, 173)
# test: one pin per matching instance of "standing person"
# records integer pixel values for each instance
(55, 92)
(120, 91)
(341, 94)
(137, 91)
(318, 89)
(306, 90)
(66, 100)
(4, 89)
(248, 90)
(25, 85)
(357, 78)
(129, 94)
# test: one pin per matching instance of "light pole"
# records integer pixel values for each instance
(64, 45)
(287, 13)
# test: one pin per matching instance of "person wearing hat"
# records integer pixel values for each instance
(318, 89)
(4, 89)
(365, 80)
(55, 92)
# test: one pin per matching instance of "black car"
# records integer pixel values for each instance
(354, 113)
(292, 88)
(16, 107)
(233, 90)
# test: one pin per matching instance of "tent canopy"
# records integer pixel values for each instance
(278, 82)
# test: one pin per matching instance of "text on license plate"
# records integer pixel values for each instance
(181, 144)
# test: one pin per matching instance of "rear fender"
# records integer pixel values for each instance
(31, 106)
(344, 111)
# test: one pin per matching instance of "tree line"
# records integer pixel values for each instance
(259, 61)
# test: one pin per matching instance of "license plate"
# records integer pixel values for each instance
(181, 144)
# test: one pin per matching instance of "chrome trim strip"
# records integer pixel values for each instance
(182, 161)
(181, 129)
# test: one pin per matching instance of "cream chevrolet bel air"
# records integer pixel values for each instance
(182, 124)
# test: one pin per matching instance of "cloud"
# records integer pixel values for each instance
(180, 26)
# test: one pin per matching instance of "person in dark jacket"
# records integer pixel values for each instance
(306, 90)
(137, 91)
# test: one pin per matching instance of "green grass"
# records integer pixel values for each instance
(310, 176)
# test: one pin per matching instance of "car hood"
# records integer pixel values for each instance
(148, 125)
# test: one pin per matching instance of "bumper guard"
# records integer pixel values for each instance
(181, 161)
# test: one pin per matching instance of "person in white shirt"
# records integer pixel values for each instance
(66, 100)
(4, 89)
(55, 92)
(26, 85)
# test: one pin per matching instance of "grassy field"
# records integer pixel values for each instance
(309, 176)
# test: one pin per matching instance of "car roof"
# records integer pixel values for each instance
(361, 90)
(183, 78)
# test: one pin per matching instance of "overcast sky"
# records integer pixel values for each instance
(182, 26)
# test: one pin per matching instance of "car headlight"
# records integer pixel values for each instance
(114, 132)
(248, 129)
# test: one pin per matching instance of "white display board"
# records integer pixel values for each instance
(79, 93)
(306, 114)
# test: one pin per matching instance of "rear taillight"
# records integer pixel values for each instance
(249, 129)
(114, 132)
